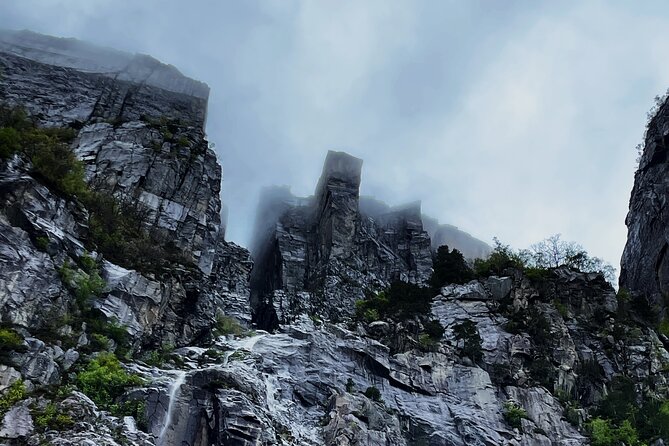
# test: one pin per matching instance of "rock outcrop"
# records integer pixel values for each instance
(318, 255)
(644, 267)
(141, 143)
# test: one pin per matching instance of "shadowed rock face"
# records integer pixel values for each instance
(318, 255)
(645, 263)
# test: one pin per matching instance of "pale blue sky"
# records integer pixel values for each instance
(509, 119)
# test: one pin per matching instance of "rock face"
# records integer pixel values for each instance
(318, 255)
(645, 263)
(141, 141)
(547, 343)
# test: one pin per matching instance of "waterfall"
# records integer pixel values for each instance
(173, 394)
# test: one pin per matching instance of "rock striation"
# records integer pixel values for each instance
(318, 255)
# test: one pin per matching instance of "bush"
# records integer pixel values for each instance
(604, 433)
(514, 414)
(449, 267)
(86, 286)
(621, 400)
(402, 301)
(132, 408)
(104, 379)
(51, 418)
(13, 394)
(501, 259)
(10, 142)
(226, 325)
(663, 328)
(10, 340)
(350, 385)
(434, 329)
(466, 331)
(373, 393)
(601, 432)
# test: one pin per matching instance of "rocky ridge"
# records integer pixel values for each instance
(544, 346)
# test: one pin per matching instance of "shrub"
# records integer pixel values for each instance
(572, 414)
(434, 329)
(466, 331)
(132, 408)
(449, 267)
(373, 393)
(350, 385)
(514, 414)
(620, 402)
(104, 379)
(561, 308)
(226, 325)
(601, 432)
(10, 340)
(13, 394)
(10, 142)
(664, 327)
(86, 286)
(501, 258)
(51, 418)
(402, 301)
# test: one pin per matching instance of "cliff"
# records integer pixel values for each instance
(645, 265)
(128, 319)
(319, 255)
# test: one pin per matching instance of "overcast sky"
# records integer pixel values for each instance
(509, 119)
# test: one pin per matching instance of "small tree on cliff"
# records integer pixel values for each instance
(449, 267)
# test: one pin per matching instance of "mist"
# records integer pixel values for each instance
(517, 122)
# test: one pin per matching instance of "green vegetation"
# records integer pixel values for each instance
(433, 331)
(226, 325)
(663, 328)
(157, 358)
(104, 380)
(514, 414)
(467, 333)
(620, 420)
(51, 418)
(449, 267)
(604, 433)
(116, 227)
(15, 393)
(501, 259)
(373, 393)
(402, 301)
(561, 308)
(350, 385)
(42, 243)
(47, 148)
(132, 408)
(10, 340)
(85, 285)
(537, 261)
